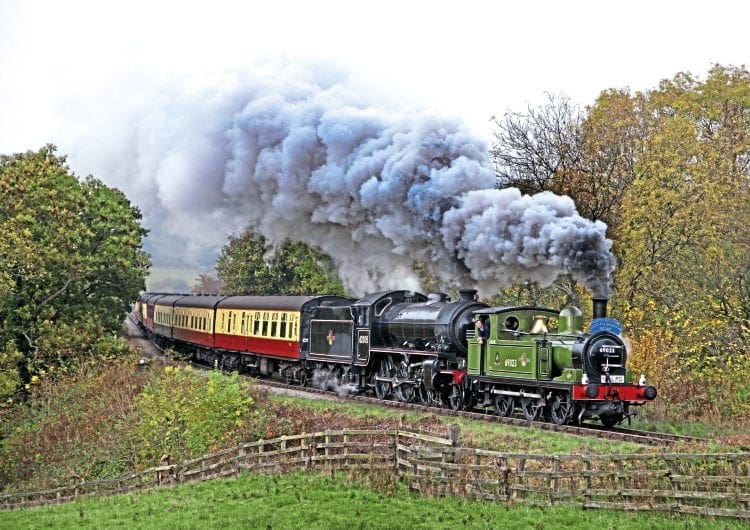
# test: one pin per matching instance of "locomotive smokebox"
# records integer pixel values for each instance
(600, 307)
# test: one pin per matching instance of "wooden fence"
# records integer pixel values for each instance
(708, 484)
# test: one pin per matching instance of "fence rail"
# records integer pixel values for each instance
(708, 484)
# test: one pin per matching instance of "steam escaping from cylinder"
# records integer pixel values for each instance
(298, 154)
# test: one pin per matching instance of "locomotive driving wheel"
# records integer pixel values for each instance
(560, 409)
(383, 389)
(530, 408)
(406, 393)
(610, 420)
(456, 399)
(504, 405)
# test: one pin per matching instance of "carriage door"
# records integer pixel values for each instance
(363, 346)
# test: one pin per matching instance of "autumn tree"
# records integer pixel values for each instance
(683, 240)
(587, 155)
(73, 262)
(667, 170)
(247, 265)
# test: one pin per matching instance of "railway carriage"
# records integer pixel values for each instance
(164, 317)
(145, 311)
(265, 334)
(194, 320)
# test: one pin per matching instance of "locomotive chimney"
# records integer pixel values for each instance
(600, 307)
(468, 295)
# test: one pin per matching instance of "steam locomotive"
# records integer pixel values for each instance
(404, 345)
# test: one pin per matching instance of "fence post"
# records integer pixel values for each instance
(737, 474)
(587, 480)
(454, 435)
(520, 479)
(396, 440)
(553, 483)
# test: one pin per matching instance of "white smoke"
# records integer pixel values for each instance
(298, 154)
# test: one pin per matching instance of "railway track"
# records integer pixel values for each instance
(618, 434)
(615, 433)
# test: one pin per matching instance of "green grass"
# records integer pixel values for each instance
(314, 501)
(479, 434)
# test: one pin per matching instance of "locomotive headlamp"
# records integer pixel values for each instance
(642, 380)
(592, 390)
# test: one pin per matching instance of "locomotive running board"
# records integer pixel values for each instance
(516, 394)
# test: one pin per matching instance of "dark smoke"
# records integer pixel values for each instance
(292, 154)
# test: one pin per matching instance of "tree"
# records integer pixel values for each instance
(207, 284)
(669, 171)
(560, 148)
(683, 239)
(247, 266)
(533, 151)
(73, 262)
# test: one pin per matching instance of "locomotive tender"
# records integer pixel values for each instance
(411, 347)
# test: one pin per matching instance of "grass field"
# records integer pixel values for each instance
(314, 501)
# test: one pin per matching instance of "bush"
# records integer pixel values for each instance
(183, 415)
(73, 427)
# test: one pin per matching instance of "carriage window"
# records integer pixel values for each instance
(243, 327)
(265, 324)
(282, 332)
(274, 324)
(256, 324)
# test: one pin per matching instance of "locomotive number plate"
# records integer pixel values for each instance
(614, 378)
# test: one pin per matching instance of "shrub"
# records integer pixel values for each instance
(182, 414)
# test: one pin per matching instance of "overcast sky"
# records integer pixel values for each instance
(470, 59)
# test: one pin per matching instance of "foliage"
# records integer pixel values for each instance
(72, 262)
(207, 284)
(669, 171)
(564, 291)
(71, 428)
(183, 415)
(683, 241)
(247, 267)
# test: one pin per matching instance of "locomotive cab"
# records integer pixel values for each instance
(517, 347)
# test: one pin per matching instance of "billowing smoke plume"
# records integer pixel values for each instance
(297, 155)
